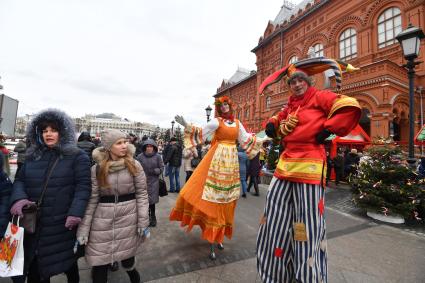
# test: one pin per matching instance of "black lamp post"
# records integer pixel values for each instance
(410, 40)
(172, 128)
(208, 111)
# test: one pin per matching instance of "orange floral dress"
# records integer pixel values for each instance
(208, 199)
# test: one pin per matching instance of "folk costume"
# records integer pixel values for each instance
(208, 198)
(291, 243)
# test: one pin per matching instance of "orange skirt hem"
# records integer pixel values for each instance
(212, 232)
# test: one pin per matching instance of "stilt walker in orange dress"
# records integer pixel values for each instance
(208, 198)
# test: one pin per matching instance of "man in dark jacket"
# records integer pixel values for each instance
(338, 164)
(20, 148)
(173, 158)
(85, 143)
(50, 250)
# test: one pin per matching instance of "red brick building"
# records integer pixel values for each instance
(361, 32)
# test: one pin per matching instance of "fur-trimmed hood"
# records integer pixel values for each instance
(99, 154)
(67, 139)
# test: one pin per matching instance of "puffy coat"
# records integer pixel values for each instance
(112, 227)
(67, 193)
(153, 166)
(188, 155)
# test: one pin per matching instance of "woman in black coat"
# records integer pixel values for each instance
(153, 166)
(254, 173)
(50, 250)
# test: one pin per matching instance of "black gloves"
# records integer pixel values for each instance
(270, 130)
(322, 136)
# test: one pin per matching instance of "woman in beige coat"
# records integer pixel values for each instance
(116, 220)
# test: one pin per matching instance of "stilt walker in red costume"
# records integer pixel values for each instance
(291, 242)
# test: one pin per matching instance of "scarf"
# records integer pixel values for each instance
(296, 101)
(116, 165)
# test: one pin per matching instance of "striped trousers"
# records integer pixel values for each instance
(291, 242)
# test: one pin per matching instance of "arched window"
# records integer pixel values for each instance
(348, 44)
(247, 113)
(268, 102)
(293, 59)
(389, 25)
(318, 50)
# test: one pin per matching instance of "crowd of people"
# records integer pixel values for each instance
(101, 198)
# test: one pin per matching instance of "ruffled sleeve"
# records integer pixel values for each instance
(249, 142)
(194, 135)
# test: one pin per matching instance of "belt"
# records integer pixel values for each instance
(116, 198)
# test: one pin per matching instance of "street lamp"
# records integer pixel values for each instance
(208, 111)
(410, 40)
(172, 128)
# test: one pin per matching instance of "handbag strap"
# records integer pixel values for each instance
(40, 200)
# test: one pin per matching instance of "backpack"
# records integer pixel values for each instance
(195, 162)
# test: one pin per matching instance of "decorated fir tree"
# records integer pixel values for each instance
(385, 184)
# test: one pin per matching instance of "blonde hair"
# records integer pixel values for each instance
(103, 172)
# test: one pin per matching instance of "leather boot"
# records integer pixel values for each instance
(134, 276)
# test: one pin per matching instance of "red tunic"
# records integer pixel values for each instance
(303, 159)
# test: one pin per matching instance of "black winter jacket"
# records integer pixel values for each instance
(174, 155)
(88, 148)
(67, 193)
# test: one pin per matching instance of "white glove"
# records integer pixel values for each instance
(144, 232)
(83, 240)
(179, 119)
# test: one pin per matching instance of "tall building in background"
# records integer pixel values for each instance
(360, 32)
(8, 113)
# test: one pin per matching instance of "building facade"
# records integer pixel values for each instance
(96, 124)
(360, 32)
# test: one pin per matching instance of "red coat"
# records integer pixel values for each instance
(303, 159)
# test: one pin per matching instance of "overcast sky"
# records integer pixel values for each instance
(142, 60)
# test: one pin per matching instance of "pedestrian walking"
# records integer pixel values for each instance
(329, 166)
(173, 158)
(85, 143)
(291, 242)
(190, 154)
(209, 197)
(243, 166)
(350, 162)
(57, 169)
(153, 167)
(116, 220)
(338, 163)
(20, 149)
(254, 174)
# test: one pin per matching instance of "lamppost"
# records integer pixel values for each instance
(172, 128)
(410, 40)
(208, 112)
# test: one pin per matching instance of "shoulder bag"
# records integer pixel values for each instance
(31, 212)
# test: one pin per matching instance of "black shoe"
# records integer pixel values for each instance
(220, 246)
(244, 195)
(134, 276)
(212, 256)
(255, 194)
(152, 222)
